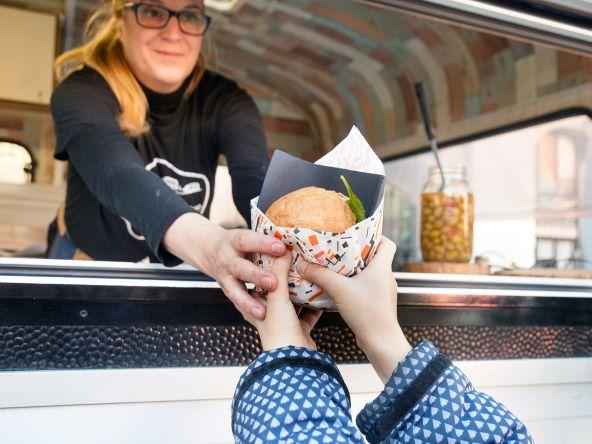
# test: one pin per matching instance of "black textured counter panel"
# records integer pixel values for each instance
(76, 347)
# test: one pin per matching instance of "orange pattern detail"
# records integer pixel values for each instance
(318, 294)
(365, 251)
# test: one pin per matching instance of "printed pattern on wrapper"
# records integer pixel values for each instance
(348, 252)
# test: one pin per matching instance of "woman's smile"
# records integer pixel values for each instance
(168, 53)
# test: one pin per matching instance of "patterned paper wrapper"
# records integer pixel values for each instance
(348, 252)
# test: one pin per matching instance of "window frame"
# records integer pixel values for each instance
(496, 131)
(499, 19)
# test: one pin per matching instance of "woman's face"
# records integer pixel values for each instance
(161, 59)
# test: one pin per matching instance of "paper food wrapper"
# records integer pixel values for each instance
(347, 252)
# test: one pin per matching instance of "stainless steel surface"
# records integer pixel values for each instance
(116, 273)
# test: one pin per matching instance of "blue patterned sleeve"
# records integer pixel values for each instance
(291, 395)
(428, 399)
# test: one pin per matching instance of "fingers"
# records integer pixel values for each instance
(242, 300)
(247, 241)
(281, 267)
(309, 319)
(280, 297)
(247, 271)
(330, 281)
(258, 297)
(383, 259)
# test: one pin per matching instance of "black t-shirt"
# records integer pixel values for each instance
(124, 193)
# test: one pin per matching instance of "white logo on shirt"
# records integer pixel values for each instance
(184, 183)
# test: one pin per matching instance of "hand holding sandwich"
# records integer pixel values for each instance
(282, 325)
(368, 304)
(221, 254)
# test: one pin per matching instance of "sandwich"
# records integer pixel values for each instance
(317, 209)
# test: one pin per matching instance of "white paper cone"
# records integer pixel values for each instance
(347, 253)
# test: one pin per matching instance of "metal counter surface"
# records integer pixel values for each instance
(43, 292)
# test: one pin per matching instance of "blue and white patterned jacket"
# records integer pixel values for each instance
(296, 394)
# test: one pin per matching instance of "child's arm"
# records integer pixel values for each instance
(293, 394)
(428, 399)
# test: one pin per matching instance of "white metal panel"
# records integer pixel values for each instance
(77, 387)
(192, 405)
(208, 421)
(562, 431)
(197, 422)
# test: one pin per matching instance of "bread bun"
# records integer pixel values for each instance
(314, 208)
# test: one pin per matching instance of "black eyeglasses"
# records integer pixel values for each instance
(148, 15)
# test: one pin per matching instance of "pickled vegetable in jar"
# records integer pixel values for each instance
(447, 216)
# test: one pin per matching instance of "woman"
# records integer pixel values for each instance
(142, 124)
(292, 393)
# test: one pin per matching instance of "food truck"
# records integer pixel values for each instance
(120, 352)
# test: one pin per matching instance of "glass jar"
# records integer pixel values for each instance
(447, 216)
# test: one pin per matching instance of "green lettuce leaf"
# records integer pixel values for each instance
(354, 202)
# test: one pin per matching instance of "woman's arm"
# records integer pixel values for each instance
(221, 254)
(85, 113)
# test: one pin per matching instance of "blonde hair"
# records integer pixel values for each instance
(103, 52)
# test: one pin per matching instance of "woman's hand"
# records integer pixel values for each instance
(282, 326)
(221, 254)
(367, 302)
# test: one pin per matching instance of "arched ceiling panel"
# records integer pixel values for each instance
(351, 64)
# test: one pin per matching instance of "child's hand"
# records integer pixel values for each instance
(282, 326)
(367, 302)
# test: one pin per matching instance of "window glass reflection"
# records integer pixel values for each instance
(533, 194)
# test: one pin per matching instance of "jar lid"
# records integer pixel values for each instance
(448, 170)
